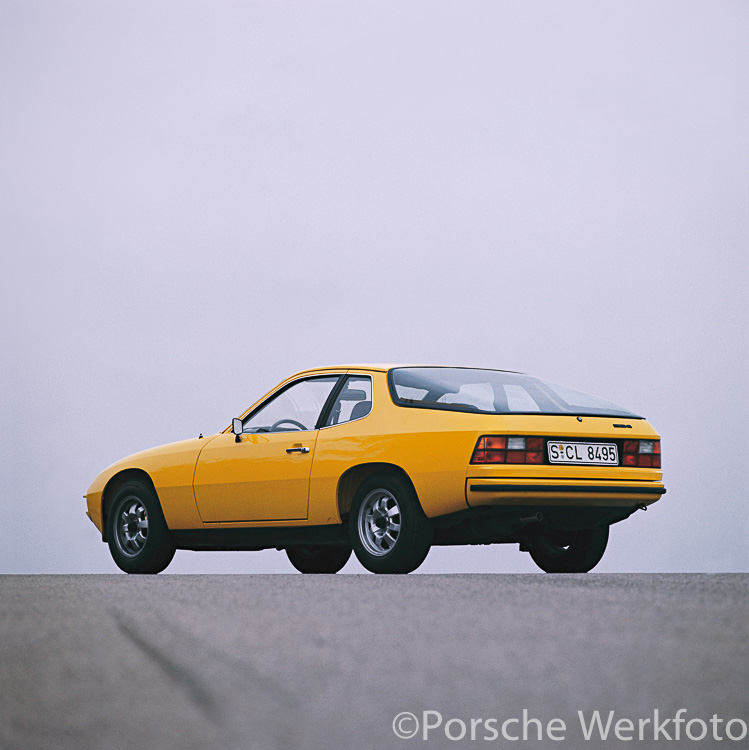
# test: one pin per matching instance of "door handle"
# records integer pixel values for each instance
(300, 449)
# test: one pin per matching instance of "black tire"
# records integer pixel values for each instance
(139, 539)
(383, 502)
(575, 552)
(318, 558)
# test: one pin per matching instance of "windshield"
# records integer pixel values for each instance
(492, 392)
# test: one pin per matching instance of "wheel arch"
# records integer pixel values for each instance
(111, 488)
(352, 478)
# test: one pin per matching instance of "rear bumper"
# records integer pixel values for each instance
(594, 492)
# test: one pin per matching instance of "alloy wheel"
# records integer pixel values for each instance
(379, 522)
(131, 526)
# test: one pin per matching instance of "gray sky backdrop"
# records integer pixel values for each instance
(200, 198)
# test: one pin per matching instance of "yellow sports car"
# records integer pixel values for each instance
(387, 461)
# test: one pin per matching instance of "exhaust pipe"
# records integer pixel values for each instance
(535, 518)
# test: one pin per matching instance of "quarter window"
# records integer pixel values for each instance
(353, 402)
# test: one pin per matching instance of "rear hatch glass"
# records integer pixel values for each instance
(493, 392)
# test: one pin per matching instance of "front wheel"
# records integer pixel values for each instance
(573, 552)
(139, 539)
(389, 531)
(318, 558)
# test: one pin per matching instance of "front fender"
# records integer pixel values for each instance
(171, 469)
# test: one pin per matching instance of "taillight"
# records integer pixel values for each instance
(497, 449)
(490, 450)
(642, 453)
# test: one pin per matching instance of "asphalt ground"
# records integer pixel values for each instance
(327, 662)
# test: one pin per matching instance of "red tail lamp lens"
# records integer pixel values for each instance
(644, 453)
(501, 449)
(495, 457)
(489, 450)
(495, 443)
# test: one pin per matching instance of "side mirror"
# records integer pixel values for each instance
(236, 428)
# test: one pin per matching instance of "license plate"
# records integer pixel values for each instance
(582, 453)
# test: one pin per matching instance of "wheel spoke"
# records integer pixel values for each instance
(390, 538)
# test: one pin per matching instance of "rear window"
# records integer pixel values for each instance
(492, 392)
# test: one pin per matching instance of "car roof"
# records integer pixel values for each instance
(361, 366)
(385, 367)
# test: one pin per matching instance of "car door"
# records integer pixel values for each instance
(265, 475)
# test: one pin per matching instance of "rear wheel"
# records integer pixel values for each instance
(569, 552)
(318, 558)
(389, 531)
(139, 539)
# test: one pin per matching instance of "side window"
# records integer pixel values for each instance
(353, 402)
(295, 408)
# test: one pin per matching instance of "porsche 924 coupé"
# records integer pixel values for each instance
(388, 461)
